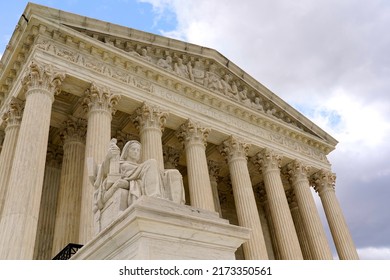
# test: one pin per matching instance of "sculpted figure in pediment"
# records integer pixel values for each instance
(257, 104)
(212, 80)
(196, 73)
(165, 63)
(244, 97)
(225, 83)
(181, 69)
(271, 112)
(144, 55)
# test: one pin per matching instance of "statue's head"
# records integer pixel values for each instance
(131, 151)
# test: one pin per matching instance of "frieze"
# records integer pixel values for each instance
(126, 76)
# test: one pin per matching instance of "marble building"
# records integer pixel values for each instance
(226, 167)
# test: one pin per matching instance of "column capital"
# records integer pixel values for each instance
(100, 98)
(150, 116)
(323, 180)
(171, 157)
(234, 148)
(193, 132)
(122, 138)
(13, 114)
(260, 193)
(54, 155)
(74, 129)
(291, 199)
(41, 76)
(297, 171)
(214, 168)
(267, 159)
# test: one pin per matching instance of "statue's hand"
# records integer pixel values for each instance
(113, 150)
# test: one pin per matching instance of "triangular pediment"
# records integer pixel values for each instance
(202, 67)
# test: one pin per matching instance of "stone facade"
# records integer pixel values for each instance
(247, 160)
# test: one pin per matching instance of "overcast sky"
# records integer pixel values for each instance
(330, 59)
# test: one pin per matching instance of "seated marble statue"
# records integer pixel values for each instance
(124, 171)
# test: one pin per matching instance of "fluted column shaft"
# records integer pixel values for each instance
(194, 136)
(235, 151)
(213, 172)
(21, 209)
(286, 236)
(47, 213)
(271, 228)
(324, 185)
(299, 227)
(2, 135)
(67, 223)
(150, 121)
(315, 233)
(99, 104)
(12, 119)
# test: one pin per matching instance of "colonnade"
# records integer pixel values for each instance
(298, 232)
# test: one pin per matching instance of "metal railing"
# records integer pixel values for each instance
(68, 251)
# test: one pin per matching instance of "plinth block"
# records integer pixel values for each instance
(157, 229)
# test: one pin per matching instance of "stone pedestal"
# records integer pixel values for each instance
(157, 229)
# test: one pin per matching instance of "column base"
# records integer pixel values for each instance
(158, 229)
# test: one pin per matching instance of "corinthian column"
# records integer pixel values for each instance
(21, 209)
(171, 157)
(194, 136)
(285, 233)
(47, 213)
(214, 169)
(235, 151)
(324, 184)
(99, 104)
(299, 227)
(69, 197)
(150, 121)
(315, 233)
(12, 118)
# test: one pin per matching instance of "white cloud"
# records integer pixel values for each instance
(374, 253)
(351, 119)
